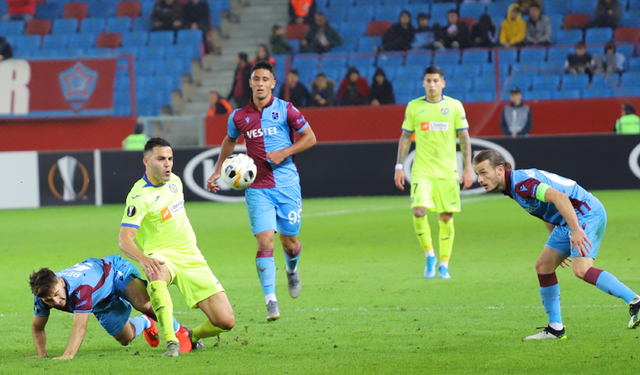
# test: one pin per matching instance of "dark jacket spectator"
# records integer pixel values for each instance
(20, 10)
(538, 28)
(525, 5)
(262, 53)
(354, 89)
(279, 45)
(302, 11)
(6, 52)
(381, 89)
(196, 16)
(516, 118)
(217, 105)
(399, 36)
(298, 94)
(424, 36)
(240, 88)
(513, 29)
(607, 14)
(484, 32)
(167, 15)
(453, 35)
(321, 37)
(580, 61)
(323, 91)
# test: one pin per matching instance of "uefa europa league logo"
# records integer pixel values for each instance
(67, 166)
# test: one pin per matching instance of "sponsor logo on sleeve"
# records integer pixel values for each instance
(131, 211)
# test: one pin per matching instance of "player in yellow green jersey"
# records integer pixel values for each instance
(435, 120)
(155, 219)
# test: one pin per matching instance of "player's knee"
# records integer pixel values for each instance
(445, 216)
(579, 272)
(125, 342)
(419, 211)
(226, 323)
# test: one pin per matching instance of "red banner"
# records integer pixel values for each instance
(57, 88)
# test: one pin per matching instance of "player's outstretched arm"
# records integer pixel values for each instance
(126, 242)
(403, 150)
(465, 146)
(228, 145)
(579, 239)
(306, 141)
(80, 322)
(39, 335)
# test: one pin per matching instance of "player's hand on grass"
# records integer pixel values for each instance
(467, 178)
(566, 263)
(64, 357)
(579, 241)
(211, 182)
(276, 157)
(399, 179)
(151, 266)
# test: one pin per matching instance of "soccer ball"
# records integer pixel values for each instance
(239, 171)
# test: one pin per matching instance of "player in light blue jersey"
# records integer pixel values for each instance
(274, 200)
(576, 221)
(106, 287)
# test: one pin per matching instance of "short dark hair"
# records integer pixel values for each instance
(155, 142)
(629, 109)
(534, 6)
(433, 70)
(452, 11)
(42, 282)
(321, 74)
(495, 159)
(581, 44)
(422, 15)
(275, 28)
(263, 64)
(294, 71)
(138, 128)
(243, 56)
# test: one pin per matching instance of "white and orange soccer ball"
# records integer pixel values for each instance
(239, 171)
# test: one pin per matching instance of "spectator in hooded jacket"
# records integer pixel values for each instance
(167, 15)
(399, 36)
(516, 117)
(538, 28)
(279, 44)
(196, 16)
(302, 11)
(484, 32)
(321, 37)
(298, 94)
(20, 10)
(607, 14)
(323, 91)
(424, 36)
(453, 35)
(381, 89)
(513, 29)
(354, 89)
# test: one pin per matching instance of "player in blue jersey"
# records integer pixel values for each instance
(274, 200)
(106, 287)
(576, 221)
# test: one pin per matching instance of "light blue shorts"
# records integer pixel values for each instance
(278, 209)
(593, 224)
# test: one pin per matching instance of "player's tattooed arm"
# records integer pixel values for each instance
(465, 146)
(39, 335)
(403, 147)
(80, 322)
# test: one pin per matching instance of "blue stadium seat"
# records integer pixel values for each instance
(329, 61)
(552, 67)
(408, 85)
(507, 56)
(634, 64)
(630, 80)
(122, 110)
(149, 67)
(597, 93)
(190, 37)
(133, 51)
(630, 18)
(135, 39)
(27, 42)
(634, 5)
(404, 97)
(93, 25)
(626, 50)
(146, 8)
(26, 54)
(599, 35)
(48, 11)
(321, 5)
(549, 82)
(152, 52)
(522, 81)
(468, 71)
(11, 28)
(118, 24)
(439, 13)
(336, 74)
(184, 51)
(82, 40)
(526, 67)
(539, 95)
(499, 8)
(583, 6)
(361, 61)
(99, 52)
(416, 7)
(141, 24)
(306, 61)
(575, 82)
(557, 6)
(475, 57)
(388, 12)
(389, 61)
(102, 8)
(533, 54)
(65, 26)
(295, 45)
(445, 60)
(410, 72)
(559, 54)
(55, 41)
(488, 69)
(420, 59)
(390, 71)
(569, 37)
(487, 83)
(566, 94)
(361, 13)
(472, 10)
(368, 43)
(603, 82)
(161, 38)
(349, 46)
(3, 7)
(480, 97)
(337, 13)
(352, 29)
(174, 68)
(627, 91)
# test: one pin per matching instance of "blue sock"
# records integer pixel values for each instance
(176, 325)
(550, 294)
(608, 283)
(140, 323)
(152, 315)
(266, 266)
(292, 262)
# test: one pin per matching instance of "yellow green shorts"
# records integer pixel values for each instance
(191, 273)
(436, 194)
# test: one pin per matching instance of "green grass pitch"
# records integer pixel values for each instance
(365, 307)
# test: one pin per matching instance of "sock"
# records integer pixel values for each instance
(163, 307)
(421, 226)
(550, 294)
(608, 283)
(206, 329)
(444, 264)
(292, 261)
(266, 267)
(556, 326)
(430, 253)
(151, 314)
(635, 300)
(270, 297)
(446, 239)
(139, 323)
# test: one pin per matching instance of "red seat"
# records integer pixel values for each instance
(469, 21)
(38, 27)
(378, 28)
(296, 31)
(128, 9)
(109, 40)
(575, 21)
(627, 34)
(76, 10)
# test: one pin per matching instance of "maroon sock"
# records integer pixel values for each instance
(547, 279)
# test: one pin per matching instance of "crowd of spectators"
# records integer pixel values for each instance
(172, 15)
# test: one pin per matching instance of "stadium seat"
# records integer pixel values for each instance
(129, 9)
(583, 6)
(439, 12)
(569, 37)
(507, 56)
(148, 5)
(148, 67)
(421, 59)
(468, 71)
(133, 51)
(161, 38)
(539, 95)
(27, 42)
(413, 72)
(23, 54)
(102, 8)
(12, 28)
(575, 21)
(597, 93)
(627, 92)
(600, 81)
(378, 28)
(575, 81)
(404, 84)
(183, 51)
(480, 96)
(559, 54)
(533, 54)
(349, 46)
(522, 81)
(598, 35)
(557, 6)
(634, 5)
(296, 31)
(549, 82)
(361, 61)
(526, 67)
(135, 39)
(329, 61)
(109, 40)
(443, 59)
(387, 61)
(472, 10)
(190, 36)
(352, 30)
(174, 68)
(361, 13)
(306, 61)
(369, 43)
(628, 34)
(634, 64)
(321, 5)
(566, 94)
(295, 45)
(141, 24)
(118, 24)
(552, 66)
(49, 11)
(627, 50)
(55, 41)
(475, 57)
(388, 12)
(76, 10)
(153, 52)
(630, 79)
(65, 26)
(630, 18)
(486, 83)
(93, 25)
(82, 40)
(99, 52)
(499, 9)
